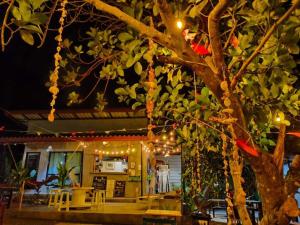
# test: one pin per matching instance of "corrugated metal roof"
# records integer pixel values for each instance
(81, 114)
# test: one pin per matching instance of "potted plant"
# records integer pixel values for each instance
(63, 174)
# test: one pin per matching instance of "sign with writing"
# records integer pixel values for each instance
(99, 182)
(120, 189)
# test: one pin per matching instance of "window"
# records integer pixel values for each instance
(32, 164)
(70, 159)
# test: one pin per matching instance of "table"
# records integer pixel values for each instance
(78, 197)
(149, 199)
(6, 193)
(252, 206)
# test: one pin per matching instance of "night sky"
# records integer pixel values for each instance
(24, 71)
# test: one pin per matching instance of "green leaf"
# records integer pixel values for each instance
(157, 70)
(135, 105)
(198, 8)
(185, 132)
(274, 90)
(27, 37)
(36, 3)
(120, 71)
(16, 13)
(121, 91)
(25, 11)
(123, 37)
(33, 28)
(138, 68)
(130, 61)
(155, 9)
(132, 92)
(38, 18)
(205, 91)
(78, 49)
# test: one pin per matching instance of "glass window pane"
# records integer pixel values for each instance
(74, 160)
(55, 159)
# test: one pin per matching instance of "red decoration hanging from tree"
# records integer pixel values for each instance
(242, 144)
(296, 134)
(200, 49)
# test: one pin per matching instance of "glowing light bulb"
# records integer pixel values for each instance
(164, 137)
(278, 119)
(171, 133)
(179, 24)
(156, 140)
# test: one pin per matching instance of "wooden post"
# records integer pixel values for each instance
(22, 194)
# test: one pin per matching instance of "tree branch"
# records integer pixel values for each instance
(4, 24)
(139, 26)
(240, 73)
(215, 37)
(279, 149)
(206, 73)
(47, 24)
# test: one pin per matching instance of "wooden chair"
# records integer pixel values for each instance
(98, 198)
(64, 204)
(54, 197)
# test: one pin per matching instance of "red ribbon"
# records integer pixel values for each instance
(296, 134)
(242, 144)
(200, 49)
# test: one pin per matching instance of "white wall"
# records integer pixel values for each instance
(88, 160)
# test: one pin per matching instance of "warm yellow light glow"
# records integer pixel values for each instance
(133, 150)
(171, 133)
(278, 119)
(122, 152)
(179, 24)
(156, 140)
(164, 137)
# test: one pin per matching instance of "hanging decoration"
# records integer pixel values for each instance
(296, 134)
(230, 211)
(57, 59)
(151, 89)
(200, 49)
(242, 144)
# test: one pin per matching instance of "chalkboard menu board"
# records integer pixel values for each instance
(99, 182)
(119, 189)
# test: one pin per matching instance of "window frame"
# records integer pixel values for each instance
(65, 159)
(38, 163)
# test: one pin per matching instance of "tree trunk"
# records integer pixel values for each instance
(270, 182)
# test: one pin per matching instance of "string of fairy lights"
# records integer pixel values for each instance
(164, 143)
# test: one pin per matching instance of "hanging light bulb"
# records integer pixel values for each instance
(179, 24)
